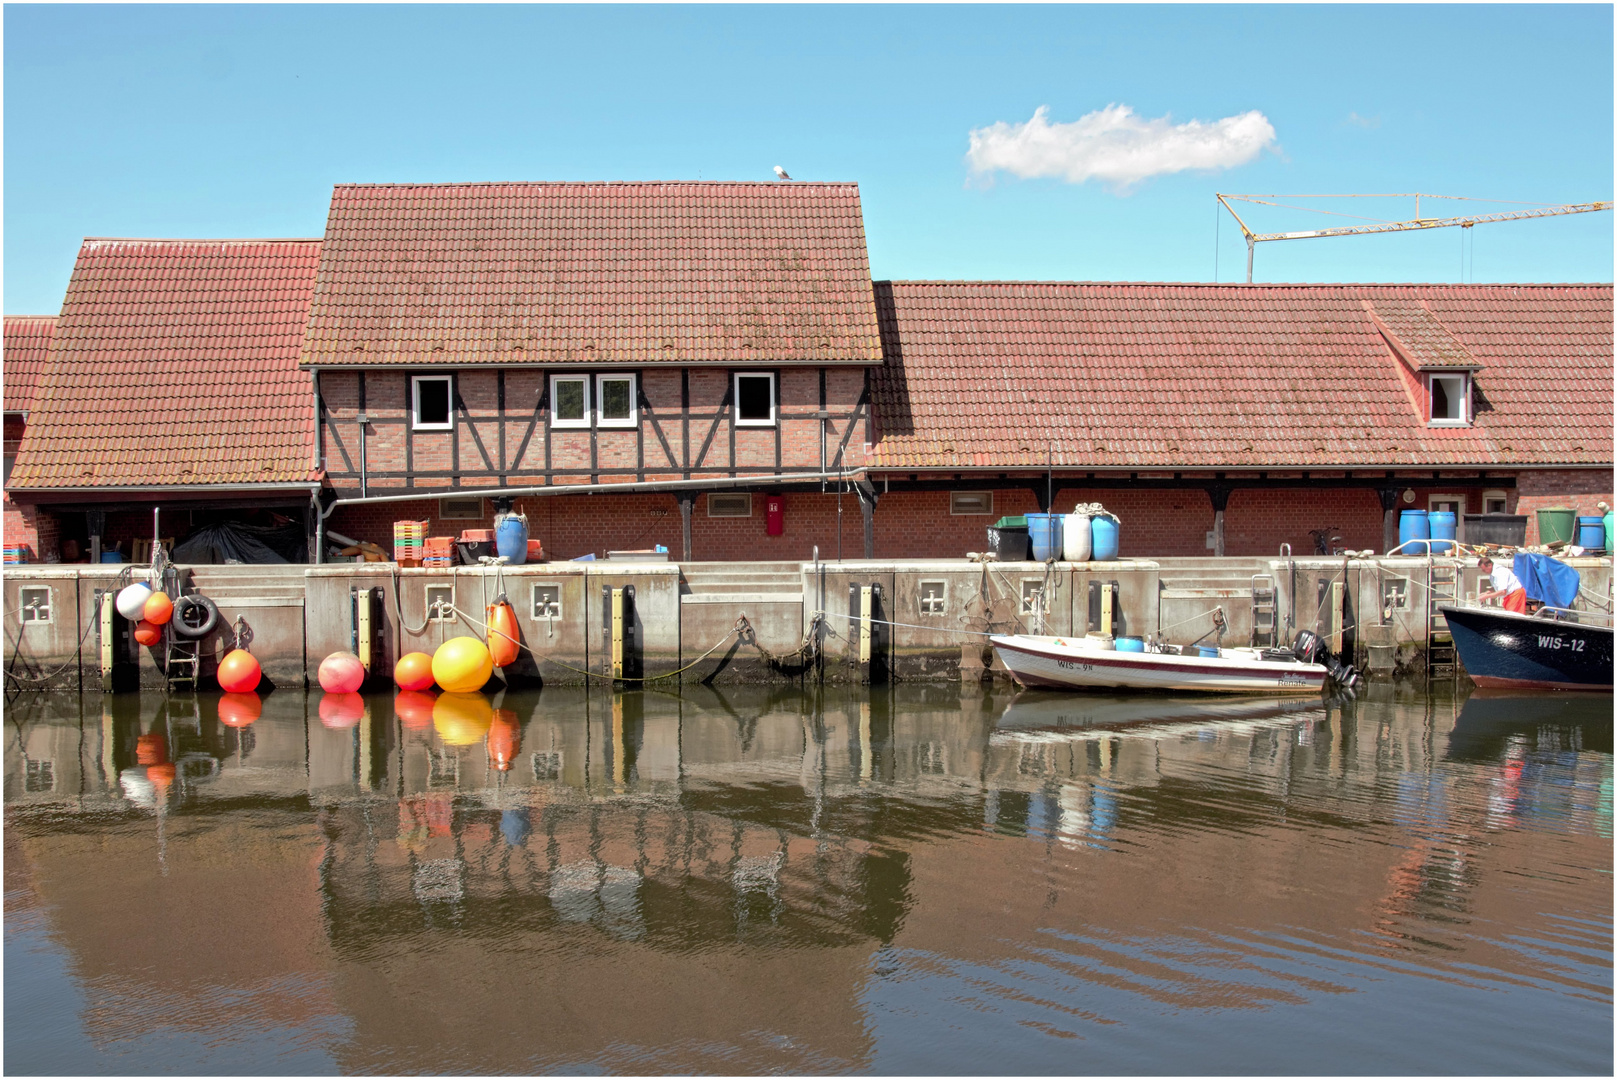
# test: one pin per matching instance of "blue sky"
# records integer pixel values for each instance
(198, 121)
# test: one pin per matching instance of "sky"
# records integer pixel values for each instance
(989, 142)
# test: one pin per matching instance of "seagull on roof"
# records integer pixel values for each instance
(781, 173)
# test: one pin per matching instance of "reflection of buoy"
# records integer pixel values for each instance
(162, 775)
(502, 632)
(413, 671)
(414, 708)
(159, 609)
(150, 749)
(462, 665)
(341, 673)
(131, 602)
(148, 634)
(504, 739)
(462, 719)
(341, 710)
(239, 672)
(239, 710)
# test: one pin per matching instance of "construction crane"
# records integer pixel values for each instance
(1253, 239)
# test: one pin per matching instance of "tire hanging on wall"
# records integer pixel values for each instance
(194, 616)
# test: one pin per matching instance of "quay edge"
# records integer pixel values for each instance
(935, 614)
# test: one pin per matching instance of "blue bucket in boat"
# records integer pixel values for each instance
(1130, 644)
(1206, 651)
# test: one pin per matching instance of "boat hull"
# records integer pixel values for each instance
(1051, 663)
(1504, 650)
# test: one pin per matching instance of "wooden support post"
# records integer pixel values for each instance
(1219, 495)
(108, 655)
(1106, 609)
(1389, 517)
(686, 502)
(864, 624)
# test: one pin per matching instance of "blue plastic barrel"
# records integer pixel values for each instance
(1413, 525)
(511, 538)
(1044, 532)
(1208, 651)
(1102, 538)
(1442, 523)
(1591, 533)
(1130, 644)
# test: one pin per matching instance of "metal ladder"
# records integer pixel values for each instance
(1442, 587)
(182, 657)
(1263, 610)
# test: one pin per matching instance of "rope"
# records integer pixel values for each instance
(741, 624)
(78, 655)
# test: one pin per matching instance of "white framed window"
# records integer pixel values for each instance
(570, 401)
(1454, 504)
(1032, 595)
(615, 401)
(546, 600)
(440, 600)
(932, 597)
(35, 602)
(431, 403)
(1495, 502)
(467, 509)
(547, 765)
(971, 502)
(755, 398)
(40, 776)
(1451, 400)
(730, 504)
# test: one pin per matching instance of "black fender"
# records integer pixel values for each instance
(186, 624)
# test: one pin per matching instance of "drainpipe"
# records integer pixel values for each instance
(364, 476)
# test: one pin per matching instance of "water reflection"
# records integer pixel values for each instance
(902, 880)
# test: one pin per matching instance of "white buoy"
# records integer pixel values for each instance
(131, 601)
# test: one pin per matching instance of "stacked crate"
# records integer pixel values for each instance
(408, 538)
(438, 551)
(15, 555)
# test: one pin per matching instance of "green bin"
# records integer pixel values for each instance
(1556, 523)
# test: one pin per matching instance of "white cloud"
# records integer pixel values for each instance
(1370, 122)
(1115, 146)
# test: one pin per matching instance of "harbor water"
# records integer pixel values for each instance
(897, 880)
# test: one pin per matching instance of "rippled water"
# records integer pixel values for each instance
(914, 880)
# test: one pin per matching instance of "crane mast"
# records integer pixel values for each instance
(1253, 239)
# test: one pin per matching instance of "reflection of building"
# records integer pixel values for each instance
(666, 884)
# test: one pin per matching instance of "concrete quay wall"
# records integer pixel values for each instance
(933, 615)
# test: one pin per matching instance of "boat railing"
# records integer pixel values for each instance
(1571, 615)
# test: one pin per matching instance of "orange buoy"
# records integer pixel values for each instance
(413, 671)
(239, 710)
(502, 632)
(238, 672)
(147, 633)
(504, 739)
(462, 665)
(159, 609)
(462, 719)
(414, 709)
(150, 749)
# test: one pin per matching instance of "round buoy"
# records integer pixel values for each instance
(150, 749)
(341, 673)
(163, 774)
(159, 609)
(239, 672)
(462, 719)
(462, 665)
(341, 710)
(504, 739)
(413, 671)
(414, 709)
(147, 633)
(131, 602)
(239, 710)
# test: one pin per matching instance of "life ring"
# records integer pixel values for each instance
(184, 617)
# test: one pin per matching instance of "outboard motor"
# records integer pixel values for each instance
(1310, 648)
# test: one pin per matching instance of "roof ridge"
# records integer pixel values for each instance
(1257, 284)
(783, 184)
(203, 239)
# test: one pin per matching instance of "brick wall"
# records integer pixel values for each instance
(1580, 489)
(34, 529)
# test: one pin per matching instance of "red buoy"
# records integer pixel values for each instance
(239, 710)
(341, 673)
(502, 632)
(239, 672)
(148, 634)
(341, 710)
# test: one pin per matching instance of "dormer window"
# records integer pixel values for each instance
(1451, 400)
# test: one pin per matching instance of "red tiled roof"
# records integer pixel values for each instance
(27, 340)
(175, 363)
(1411, 329)
(597, 273)
(1152, 375)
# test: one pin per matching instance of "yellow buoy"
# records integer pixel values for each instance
(462, 665)
(462, 719)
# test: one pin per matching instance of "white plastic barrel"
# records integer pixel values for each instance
(1075, 538)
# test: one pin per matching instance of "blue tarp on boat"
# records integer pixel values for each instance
(1547, 580)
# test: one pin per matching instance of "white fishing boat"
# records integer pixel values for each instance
(1092, 663)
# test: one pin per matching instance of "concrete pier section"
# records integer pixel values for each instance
(736, 622)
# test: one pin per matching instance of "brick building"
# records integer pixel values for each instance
(709, 367)
(27, 341)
